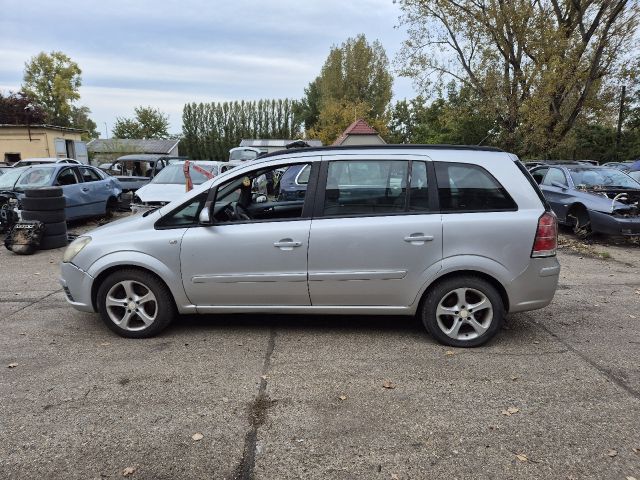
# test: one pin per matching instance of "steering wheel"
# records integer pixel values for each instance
(240, 213)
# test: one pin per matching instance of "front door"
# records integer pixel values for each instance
(375, 239)
(255, 253)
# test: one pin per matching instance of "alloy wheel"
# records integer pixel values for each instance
(464, 314)
(131, 305)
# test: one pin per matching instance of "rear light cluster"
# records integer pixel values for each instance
(546, 240)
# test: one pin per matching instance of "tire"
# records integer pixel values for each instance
(162, 308)
(44, 216)
(50, 242)
(488, 320)
(581, 223)
(57, 228)
(43, 204)
(44, 192)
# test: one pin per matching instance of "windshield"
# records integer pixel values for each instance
(635, 175)
(243, 155)
(602, 177)
(8, 180)
(173, 174)
(35, 177)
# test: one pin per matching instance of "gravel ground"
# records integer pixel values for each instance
(555, 395)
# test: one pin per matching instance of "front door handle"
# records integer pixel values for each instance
(287, 244)
(85, 189)
(418, 238)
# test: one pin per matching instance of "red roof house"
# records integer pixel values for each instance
(359, 133)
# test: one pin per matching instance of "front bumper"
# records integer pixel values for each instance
(77, 284)
(615, 224)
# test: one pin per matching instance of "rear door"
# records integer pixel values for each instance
(76, 198)
(556, 190)
(374, 241)
(96, 190)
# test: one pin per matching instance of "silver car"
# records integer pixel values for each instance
(459, 236)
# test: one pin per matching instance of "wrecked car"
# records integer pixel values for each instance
(170, 183)
(88, 191)
(591, 199)
(136, 170)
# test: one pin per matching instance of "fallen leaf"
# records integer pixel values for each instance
(631, 316)
(12, 365)
(636, 450)
(37, 273)
(522, 457)
(449, 352)
(510, 411)
(514, 378)
(596, 305)
(299, 440)
(22, 333)
(388, 384)
(612, 453)
(128, 471)
(264, 377)
(536, 342)
(342, 397)
(631, 478)
(196, 437)
(394, 476)
(225, 399)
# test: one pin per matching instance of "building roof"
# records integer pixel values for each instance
(274, 142)
(131, 145)
(48, 127)
(359, 127)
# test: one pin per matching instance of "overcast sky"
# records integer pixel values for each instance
(166, 53)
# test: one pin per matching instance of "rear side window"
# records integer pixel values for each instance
(89, 175)
(357, 187)
(464, 187)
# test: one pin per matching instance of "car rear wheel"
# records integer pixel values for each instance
(135, 304)
(464, 311)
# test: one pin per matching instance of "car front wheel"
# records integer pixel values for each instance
(135, 304)
(463, 311)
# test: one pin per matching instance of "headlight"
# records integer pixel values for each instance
(75, 248)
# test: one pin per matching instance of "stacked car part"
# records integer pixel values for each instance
(47, 205)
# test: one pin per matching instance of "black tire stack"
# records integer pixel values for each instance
(47, 205)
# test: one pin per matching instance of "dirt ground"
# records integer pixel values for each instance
(555, 395)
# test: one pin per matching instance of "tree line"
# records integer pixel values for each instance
(210, 130)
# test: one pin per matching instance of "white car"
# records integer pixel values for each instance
(170, 183)
(44, 161)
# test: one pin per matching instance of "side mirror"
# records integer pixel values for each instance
(559, 185)
(205, 216)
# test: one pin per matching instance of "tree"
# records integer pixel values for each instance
(53, 81)
(355, 73)
(337, 115)
(17, 108)
(80, 119)
(539, 66)
(149, 122)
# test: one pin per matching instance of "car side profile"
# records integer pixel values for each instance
(460, 236)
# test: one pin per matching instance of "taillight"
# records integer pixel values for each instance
(546, 240)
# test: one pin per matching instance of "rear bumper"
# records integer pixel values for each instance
(76, 284)
(614, 224)
(535, 287)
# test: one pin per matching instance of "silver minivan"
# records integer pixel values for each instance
(459, 236)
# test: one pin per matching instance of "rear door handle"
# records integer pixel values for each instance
(85, 189)
(418, 238)
(287, 244)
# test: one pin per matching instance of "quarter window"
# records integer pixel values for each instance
(358, 187)
(466, 187)
(89, 175)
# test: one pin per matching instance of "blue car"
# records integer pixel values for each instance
(293, 183)
(591, 199)
(88, 191)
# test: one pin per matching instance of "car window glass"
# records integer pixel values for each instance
(35, 177)
(468, 187)
(601, 177)
(186, 215)
(269, 193)
(418, 197)
(554, 175)
(361, 187)
(89, 175)
(538, 175)
(67, 177)
(303, 176)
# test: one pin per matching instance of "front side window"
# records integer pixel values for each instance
(464, 187)
(265, 194)
(67, 177)
(361, 187)
(186, 215)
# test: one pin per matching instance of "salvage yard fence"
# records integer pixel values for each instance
(209, 130)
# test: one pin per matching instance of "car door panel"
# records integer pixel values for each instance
(261, 263)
